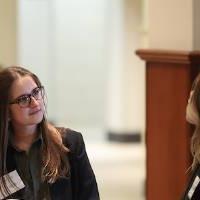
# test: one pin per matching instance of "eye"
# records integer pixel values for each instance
(24, 99)
(36, 92)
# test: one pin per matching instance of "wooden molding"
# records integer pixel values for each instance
(168, 56)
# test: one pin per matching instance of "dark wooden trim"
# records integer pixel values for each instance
(167, 56)
(126, 137)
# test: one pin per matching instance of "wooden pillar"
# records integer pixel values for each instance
(169, 75)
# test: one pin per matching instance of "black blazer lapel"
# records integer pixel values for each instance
(61, 189)
(193, 189)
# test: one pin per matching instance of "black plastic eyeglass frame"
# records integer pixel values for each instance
(17, 100)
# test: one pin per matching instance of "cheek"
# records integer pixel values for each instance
(191, 114)
(18, 115)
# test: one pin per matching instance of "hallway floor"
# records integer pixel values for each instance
(119, 169)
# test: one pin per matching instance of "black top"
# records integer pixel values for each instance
(29, 166)
(193, 190)
(79, 185)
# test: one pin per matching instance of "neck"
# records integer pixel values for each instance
(24, 137)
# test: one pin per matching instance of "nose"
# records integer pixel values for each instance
(33, 102)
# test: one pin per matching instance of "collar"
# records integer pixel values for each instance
(38, 141)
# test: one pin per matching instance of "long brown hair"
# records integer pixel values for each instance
(54, 152)
(195, 141)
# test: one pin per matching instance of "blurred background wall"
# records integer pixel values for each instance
(84, 53)
(8, 32)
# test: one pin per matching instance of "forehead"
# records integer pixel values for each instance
(22, 85)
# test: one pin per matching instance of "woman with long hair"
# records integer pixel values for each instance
(193, 117)
(37, 160)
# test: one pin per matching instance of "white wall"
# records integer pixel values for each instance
(84, 52)
(64, 43)
(35, 45)
(126, 92)
(81, 61)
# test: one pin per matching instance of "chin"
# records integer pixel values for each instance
(36, 119)
(191, 120)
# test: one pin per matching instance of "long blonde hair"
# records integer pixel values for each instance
(195, 140)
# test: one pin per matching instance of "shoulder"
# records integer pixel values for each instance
(72, 139)
(193, 188)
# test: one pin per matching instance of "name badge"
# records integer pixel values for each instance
(193, 188)
(14, 186)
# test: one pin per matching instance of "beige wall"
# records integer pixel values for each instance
(133, 69)
(8, 32)
(126, 88)
(171, 24)
(196, 24)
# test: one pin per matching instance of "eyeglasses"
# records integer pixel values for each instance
(25, 100)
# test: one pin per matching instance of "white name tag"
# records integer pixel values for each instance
(193, 188)
(18, 184)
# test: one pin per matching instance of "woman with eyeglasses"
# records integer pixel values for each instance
(37, 160)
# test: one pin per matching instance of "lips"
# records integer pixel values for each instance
(33, 112)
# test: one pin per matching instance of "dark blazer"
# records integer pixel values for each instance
(81, 184)
(193, 189)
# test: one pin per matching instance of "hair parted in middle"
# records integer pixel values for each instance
(54, 159)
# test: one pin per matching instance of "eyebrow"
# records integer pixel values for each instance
(25, 94)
